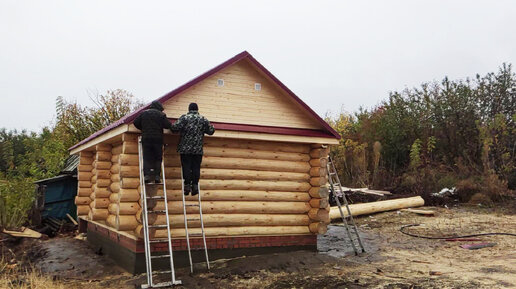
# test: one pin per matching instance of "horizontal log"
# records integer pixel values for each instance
(86, 154)
(133, 183)
(234, 174)
(94, 177)
(129, 147)
(85, 160)
(98, 214)
(102, 156)
(84, 168)
(130, 137)
(254, 185)
(254, 154)
(254, 164)
(239, 195)
(380, 206)
(130, 171)
(319, 203)
(319, 153)
(128, 160)
(115, 178)
(257, 145)
(103, 183)
(318, 228)
(125, 208)
(85, 184)
(115, 168)
(129, 195)
(319, 162)
(318, 172)
(126, 223)
(103, 165)
(100, 203)
(115, 187)
(83, 210)
(113, 198)
(227, 220)
(319, 192)
(103, 174)
(115, 158)
(103, 147)
(84, 192)
(233, 207)
(318, 181)
(84, 176)
(111, 221)
(234, 231)
(82, 200)
(116, 150)
(317, 214)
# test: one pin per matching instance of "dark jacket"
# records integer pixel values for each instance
(152, 121)
(192, 127)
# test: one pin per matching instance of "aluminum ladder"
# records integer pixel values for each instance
(336, 190)
(187, 219)
(146, 226)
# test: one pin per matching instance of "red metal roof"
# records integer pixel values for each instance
(330, 132)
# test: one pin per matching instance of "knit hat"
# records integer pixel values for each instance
(193, 106)
(156, 105)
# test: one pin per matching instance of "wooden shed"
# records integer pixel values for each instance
(263, 174)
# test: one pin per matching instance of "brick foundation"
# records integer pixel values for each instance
(129, 252)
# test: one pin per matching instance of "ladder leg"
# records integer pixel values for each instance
(202, 230)
(186, 221)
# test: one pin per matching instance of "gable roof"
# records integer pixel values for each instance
(128, 118)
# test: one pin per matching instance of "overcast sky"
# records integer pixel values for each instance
(330, 53)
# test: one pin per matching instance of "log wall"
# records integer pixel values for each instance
(247, 187)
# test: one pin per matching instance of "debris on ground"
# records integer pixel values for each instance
(23, 233)
(419, 212)
(477, 246)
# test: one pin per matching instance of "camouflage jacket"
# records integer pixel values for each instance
(192, 127)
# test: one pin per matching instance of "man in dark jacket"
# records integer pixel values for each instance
(151, 122)
(192, 127)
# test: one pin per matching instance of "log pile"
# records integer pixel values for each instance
(380, 206)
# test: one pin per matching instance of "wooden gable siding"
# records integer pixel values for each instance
(238, 101)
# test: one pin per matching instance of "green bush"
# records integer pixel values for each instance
(16, 199)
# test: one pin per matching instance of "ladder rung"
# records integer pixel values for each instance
(157, 211)
(154, 184)
(160, 256)
(193, 219)
(157, 226)
(156, 197)
(162, 272)
(195, 234)
(159, 241)
(189, 205)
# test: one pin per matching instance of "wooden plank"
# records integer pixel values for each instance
(24, 233)
(419, 211)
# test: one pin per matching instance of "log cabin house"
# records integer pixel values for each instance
(263, 176)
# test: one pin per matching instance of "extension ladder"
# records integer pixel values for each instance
(336, 190)
(146, 226)
(187, 219)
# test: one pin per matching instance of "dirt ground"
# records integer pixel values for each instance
(392, 260)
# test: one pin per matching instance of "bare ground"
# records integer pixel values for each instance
(392, 260)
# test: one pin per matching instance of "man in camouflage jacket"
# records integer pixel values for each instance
(192, 127)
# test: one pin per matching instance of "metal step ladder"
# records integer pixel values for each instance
(336, 190)
(146, 227)
(187, 219)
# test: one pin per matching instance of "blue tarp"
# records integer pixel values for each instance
(60, 195)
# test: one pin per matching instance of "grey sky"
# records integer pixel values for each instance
(330, 53)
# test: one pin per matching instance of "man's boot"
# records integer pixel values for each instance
(195, 189)
(148, 179)
(188, 189)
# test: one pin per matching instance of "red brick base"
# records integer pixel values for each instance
(212, 243)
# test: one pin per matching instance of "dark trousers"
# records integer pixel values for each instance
(152, 155)
(191, 168)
